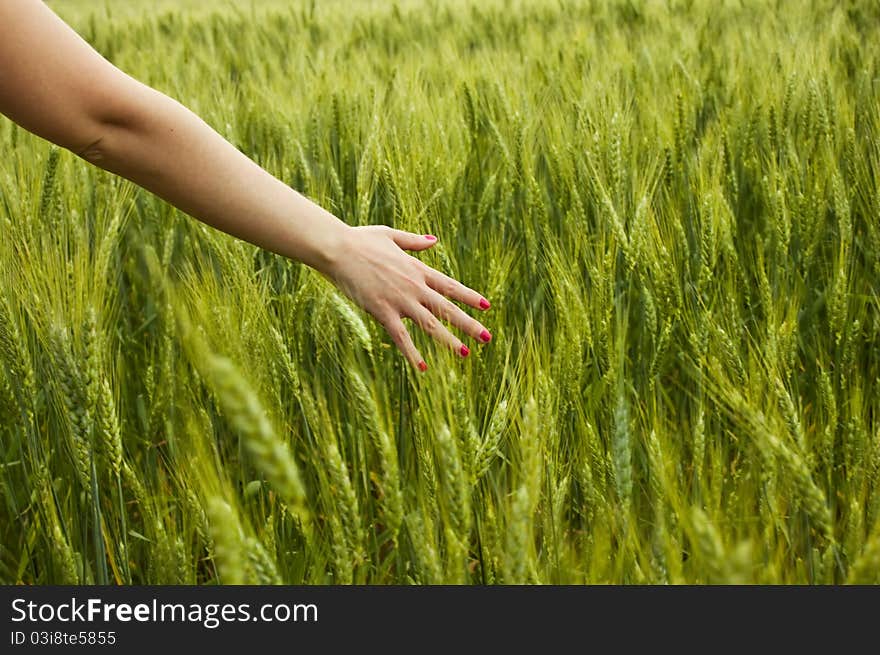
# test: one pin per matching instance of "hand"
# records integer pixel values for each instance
(371, 267)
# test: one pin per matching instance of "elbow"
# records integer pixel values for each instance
(93, 153)
(112, 118)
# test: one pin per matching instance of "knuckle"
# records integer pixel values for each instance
(420, 269)
(430, 324)
(385, 316)
(397, 332)
(452, 287)
(401, 334)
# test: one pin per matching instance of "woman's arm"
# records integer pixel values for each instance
(55, 85)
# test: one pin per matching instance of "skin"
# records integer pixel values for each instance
(55, 85)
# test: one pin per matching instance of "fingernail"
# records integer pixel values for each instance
(422, 366)
(430, 237)
(484, 304)
(464, 351)
(485, 336)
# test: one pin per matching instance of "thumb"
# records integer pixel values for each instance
(410, 241)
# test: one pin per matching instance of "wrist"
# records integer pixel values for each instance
(328, 246)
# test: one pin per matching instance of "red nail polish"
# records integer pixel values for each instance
(430, 237)
(485, 336)
(422, 366)
(464, 351)
(484, 304)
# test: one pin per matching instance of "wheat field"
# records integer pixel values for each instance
(673, 207)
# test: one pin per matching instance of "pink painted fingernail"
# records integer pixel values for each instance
(484, 304)
(430, 237)
(485, 336)
(464, 351)
(422, 366)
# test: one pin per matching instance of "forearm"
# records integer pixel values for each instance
(165, 148)
(55, 85)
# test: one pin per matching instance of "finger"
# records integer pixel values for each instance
(400, 335)
(452, 313)
(454, 289)
(432, 325)
(410, 241)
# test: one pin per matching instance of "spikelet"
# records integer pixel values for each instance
(810, 496)
(168, 558)
(660, 352)
(260, 568)
(228, 543)
(343, 566)
(287, 362)
(668, 169)
(658, 483)
(392, 497)
(535, 213)
(773, 132)
(518, 550)
(781, 222)
(242, 408)
(14, 354)
(454, 485)
(873, 473)
(854, 534)
(615, 156)
(789, 412)
(71, 389)
(808, 115)
(707, 542)
(108, 244)
(47, 199)
(470, 112)
(850, 346)
(843, 213)
(8, 405)
(108, 427)
(699, 432)
(788, 98)
(199, 517)
(866, 568)
(91, 347)
(823, 124)
(640, 239)
(731, 357)
(134, 483)
(829, 405)
(488, 449)
(336, 183)
(470, 440)
(427, 471)
(420, 528)
(650, 310)
(680, 135)
(621, 448)
(63, 555)
(487, 200)
(559, 508)
(837, 311)
(344, 497)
